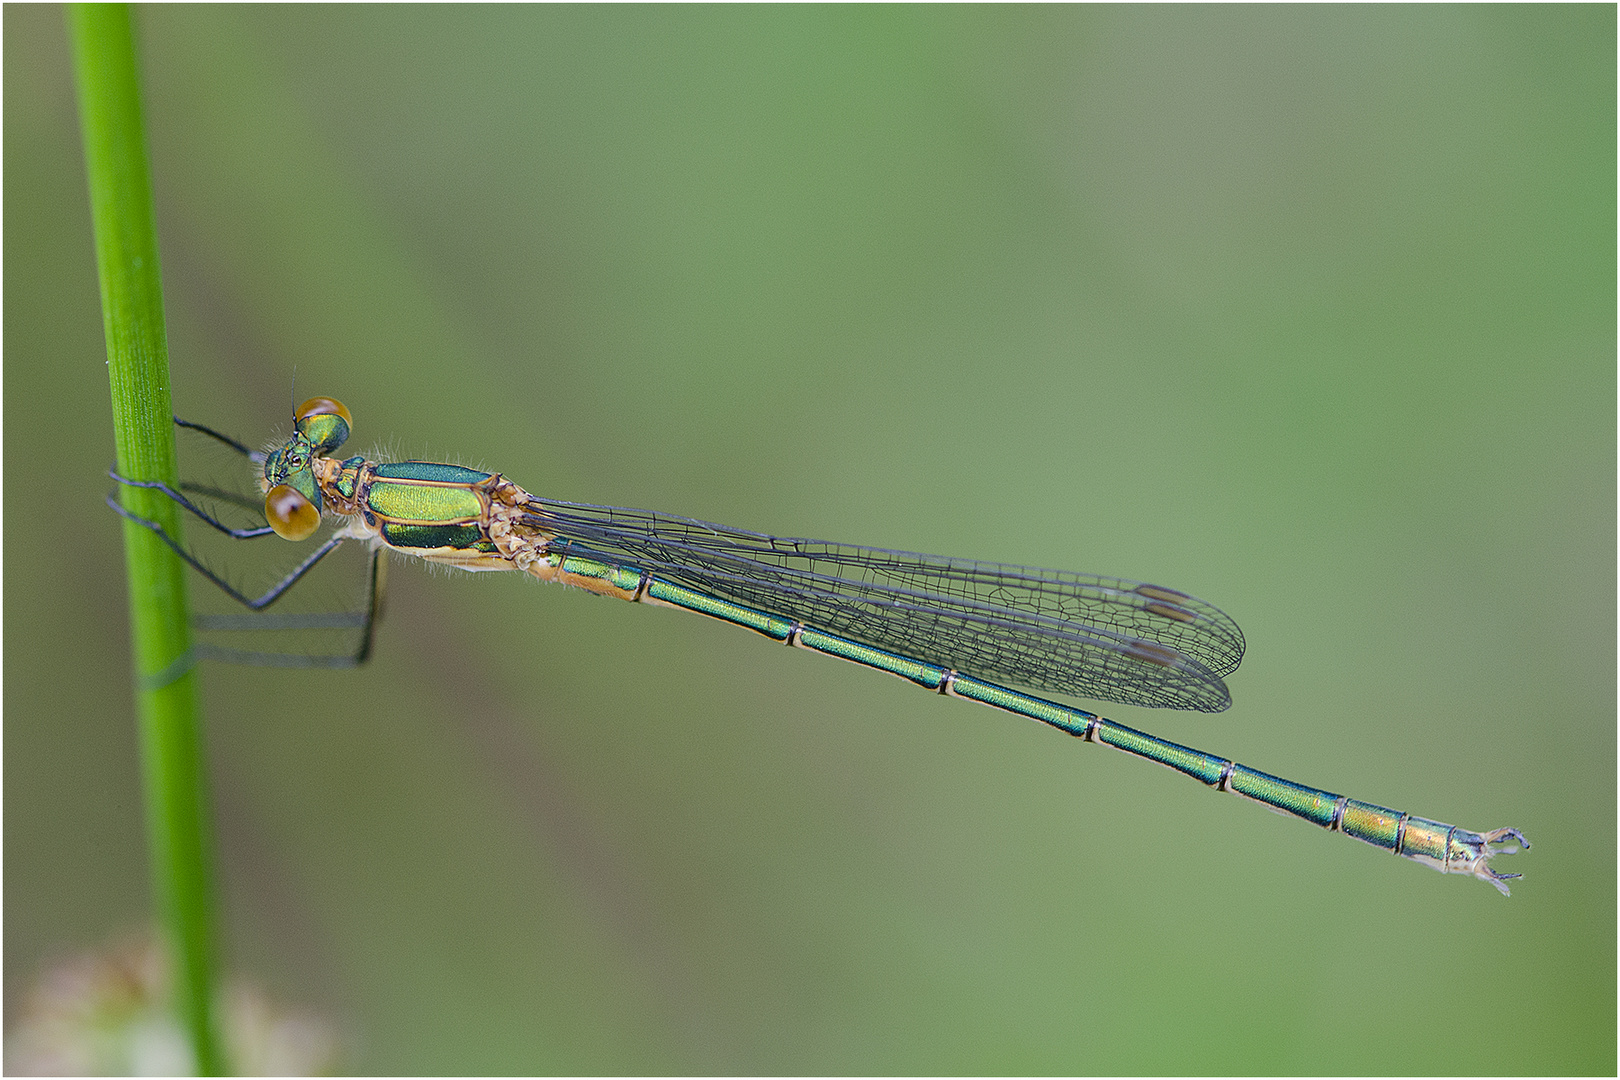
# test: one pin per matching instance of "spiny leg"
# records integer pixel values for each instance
(377, 581)
(252, 455)
(252, 603)
(219, 494)
(187, 505)
(365, 621)
(234, 498)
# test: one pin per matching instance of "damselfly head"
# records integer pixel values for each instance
(292, 501)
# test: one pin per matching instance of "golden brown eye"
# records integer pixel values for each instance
(321, 406)
(290, 514)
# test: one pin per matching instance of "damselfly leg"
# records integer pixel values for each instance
(350, 632)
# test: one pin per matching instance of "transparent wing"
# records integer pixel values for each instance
(1050, 630)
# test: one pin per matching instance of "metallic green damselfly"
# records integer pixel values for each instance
(948, 625)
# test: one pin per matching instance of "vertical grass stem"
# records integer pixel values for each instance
(138, 367)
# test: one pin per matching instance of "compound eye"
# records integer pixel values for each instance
(322, 406)
(324, 422)
(292, 516)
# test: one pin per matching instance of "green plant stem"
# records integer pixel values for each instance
(138, 365)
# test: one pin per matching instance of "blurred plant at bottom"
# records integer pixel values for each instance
(107, 1014)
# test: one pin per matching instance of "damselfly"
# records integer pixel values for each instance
(948, 625)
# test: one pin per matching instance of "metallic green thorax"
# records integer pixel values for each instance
(425, 506)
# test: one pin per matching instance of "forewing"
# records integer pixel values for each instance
(1105, 638)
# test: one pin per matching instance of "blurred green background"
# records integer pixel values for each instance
(1308, 312)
